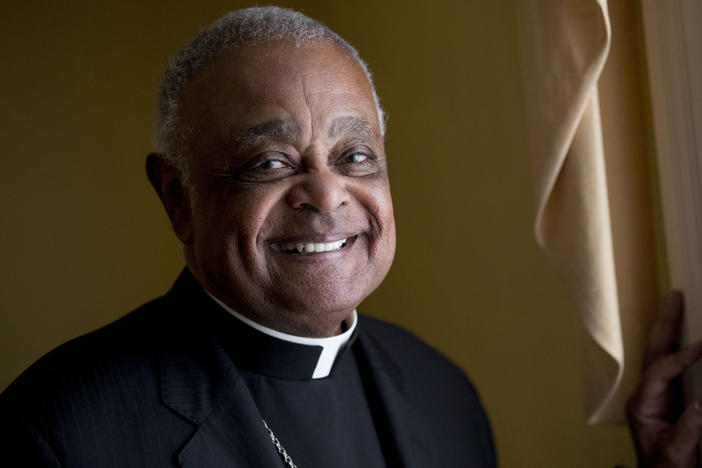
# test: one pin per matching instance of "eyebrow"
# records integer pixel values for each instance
(282, 129)
(353, 125)
(289, 130)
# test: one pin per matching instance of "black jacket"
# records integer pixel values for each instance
(156, 389)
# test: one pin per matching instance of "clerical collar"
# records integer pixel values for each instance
(287, 356)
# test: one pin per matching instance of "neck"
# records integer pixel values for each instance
(298, 323)
(292, 332)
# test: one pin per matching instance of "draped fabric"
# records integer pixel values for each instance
(564, 45)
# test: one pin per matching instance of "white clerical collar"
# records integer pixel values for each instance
(330, 345)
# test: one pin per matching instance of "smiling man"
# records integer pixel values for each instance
(287, 217)
(271, 166)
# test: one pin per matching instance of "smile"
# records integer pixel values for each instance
(307, 248)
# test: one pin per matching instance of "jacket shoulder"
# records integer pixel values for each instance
(89, 361)
(435, 386)
(408, 351)
(86, 399)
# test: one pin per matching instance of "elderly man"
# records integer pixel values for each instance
(272, 170)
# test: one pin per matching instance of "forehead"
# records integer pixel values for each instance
(312, 84)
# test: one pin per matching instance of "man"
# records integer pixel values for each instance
(272, 170)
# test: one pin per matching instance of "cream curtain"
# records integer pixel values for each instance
(564, 47)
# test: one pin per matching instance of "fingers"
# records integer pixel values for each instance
(667, 368)
(651, 400)
(681, 449)
(665, 335)
(663, 436)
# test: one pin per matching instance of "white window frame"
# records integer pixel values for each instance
(673, 35)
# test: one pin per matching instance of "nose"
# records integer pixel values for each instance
(319, 189)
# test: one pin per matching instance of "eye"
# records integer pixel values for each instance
(356, 158)
(270, 164)
(358, 163)
(266, 167)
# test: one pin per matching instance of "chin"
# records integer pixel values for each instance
(321, 323)
(325, 304)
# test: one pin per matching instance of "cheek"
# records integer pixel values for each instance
(260, 210)
(378, 203)
(387, 217)
(239, 218)
(386, 253)
(385, 210)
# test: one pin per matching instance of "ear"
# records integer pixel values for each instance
(165, 178)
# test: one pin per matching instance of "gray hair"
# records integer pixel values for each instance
(239, 28)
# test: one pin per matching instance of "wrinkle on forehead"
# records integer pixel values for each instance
(274, 82)
(307, 103)
(358, 125)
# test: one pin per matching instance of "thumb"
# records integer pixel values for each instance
(682, 446)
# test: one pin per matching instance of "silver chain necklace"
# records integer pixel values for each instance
(281, 450)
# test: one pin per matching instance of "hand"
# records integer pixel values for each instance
(666, 435)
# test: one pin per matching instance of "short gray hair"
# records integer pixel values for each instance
(239, 28)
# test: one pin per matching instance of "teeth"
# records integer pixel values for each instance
(310, 247)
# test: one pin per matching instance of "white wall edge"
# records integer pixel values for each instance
(673, 34)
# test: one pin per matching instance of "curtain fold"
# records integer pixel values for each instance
(564, 45)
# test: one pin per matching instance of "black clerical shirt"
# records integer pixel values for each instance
(321, 422)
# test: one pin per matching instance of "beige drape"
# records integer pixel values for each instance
(564, 48)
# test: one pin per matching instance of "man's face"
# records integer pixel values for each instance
(293, 225)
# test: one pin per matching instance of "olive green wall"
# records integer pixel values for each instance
(84, 239)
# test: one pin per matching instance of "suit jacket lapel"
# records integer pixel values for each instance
(233, 436)
(201, 383)
(399, 424)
